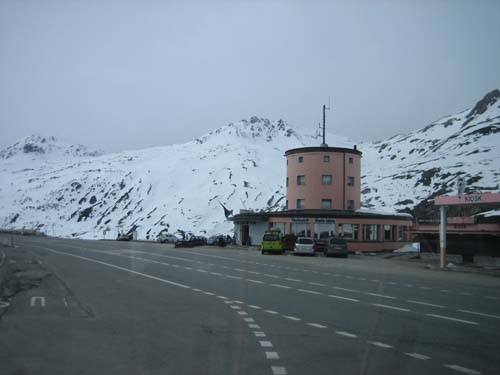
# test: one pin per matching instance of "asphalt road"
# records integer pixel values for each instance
(138, 308)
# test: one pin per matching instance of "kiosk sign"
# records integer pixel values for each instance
(450, 200)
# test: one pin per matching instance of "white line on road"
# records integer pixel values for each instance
(390, 307)
(235, 307)
(259, 334)
(308, 291)
(4, 304)
(238, 302)
(453, 319)
(279, 370)
(380, 344)
(254, 307)
(380, 295)
(281, 286)
(254, 326)
(418, 356)
(290, 279)
(347, 290)
(233, 277)
(272, 355)
(33, 301)
(425, 304)
(346, 334)
(120, 268)
(266, 344)
(465, 370)
(209, 293)
(491, 297)
(344, 298)
(317, 284)
(291, 317)
(242, 313)
(249, 320)
(221, 297)
(316, 325)
(271, 312)
(253, 272)
(255, 281)
(480, 314)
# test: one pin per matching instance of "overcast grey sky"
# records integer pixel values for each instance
(131, 74)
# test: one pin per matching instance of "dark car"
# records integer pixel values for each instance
(337, 246)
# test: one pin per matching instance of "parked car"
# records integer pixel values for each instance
(272, 243)
(337, 246)
(124, 236)
(304, 245)
(166, 238)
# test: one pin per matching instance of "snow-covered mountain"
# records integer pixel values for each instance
(70, 190)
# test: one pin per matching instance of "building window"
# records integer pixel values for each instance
(326, 179)
(301, 180)
(401, 233)
(326, 158)
(350, 204)
(370, 232)
(286, 205)
(324, 230)
(300, 204)
(301, 229)
(349, 231)
(301, 159)
(350, 181)
(326, 204)
(351, 161)
(387, 232)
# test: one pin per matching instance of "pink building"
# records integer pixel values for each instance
(323, 200)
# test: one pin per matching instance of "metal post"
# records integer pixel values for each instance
(324, 108)
(442, 236)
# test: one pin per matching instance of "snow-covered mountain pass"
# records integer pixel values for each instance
(68, 190)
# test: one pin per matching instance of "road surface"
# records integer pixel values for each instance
(105, 307)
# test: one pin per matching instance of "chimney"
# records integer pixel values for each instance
(355, 147)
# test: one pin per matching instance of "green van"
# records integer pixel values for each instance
(272, 243)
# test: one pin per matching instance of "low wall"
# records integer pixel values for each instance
(371, 246)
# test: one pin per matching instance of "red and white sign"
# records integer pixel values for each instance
(467, 199)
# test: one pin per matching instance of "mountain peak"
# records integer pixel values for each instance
(488, 100)
(37, 145)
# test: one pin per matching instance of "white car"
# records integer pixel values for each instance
(304, 245)
(166, 238)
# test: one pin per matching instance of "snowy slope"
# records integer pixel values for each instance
(69, 190)
(407, 169)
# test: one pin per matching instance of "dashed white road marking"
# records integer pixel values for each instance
(343, 298)
(33, 301)
(188, 268)
(233, 277)
(209, 293)
(255, 281)
(235, 307)
(390, 307)
(491, 297)
(425, 304)
(380, 344)
(254, 272)
(259, 334)
(242, 313)
(272, 355)
(347, 290)
(254, 307)
(271, 312)
(453, 319)
(380, 295)
(291, 317)
(227, 301)
(418, 356)
(216, 273)
(238, 302)
(316, 325)
(254, 326)
(346, 334)
(266, 344)
(290, 279)
(464, 370)
(444, 291)
(221, 297)
(279, 370)
(465, 294)
(317, 284)
(308, 291)
(249, 320)
(201, 270)
(281, 286)
(480, 314)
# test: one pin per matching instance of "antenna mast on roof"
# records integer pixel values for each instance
(324, 122)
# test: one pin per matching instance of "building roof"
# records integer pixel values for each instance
(322, 149)
(364, 214)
